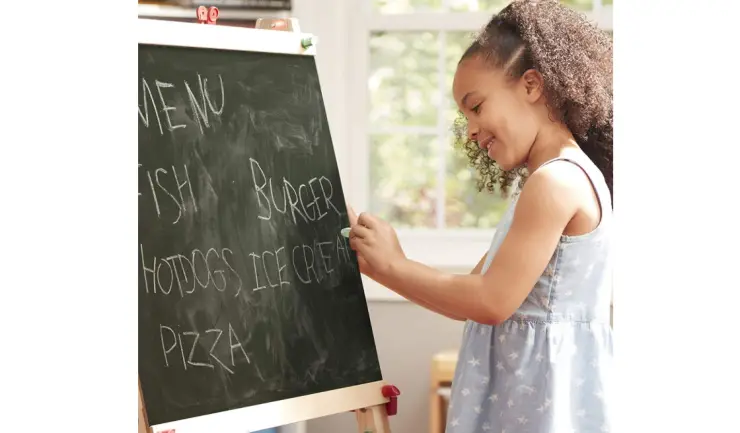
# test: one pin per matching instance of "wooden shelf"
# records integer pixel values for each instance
(443, 371)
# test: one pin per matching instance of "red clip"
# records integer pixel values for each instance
(392, 393)
(279, 25)
(212, 15)
(207, 15)
(202, 14)
(168, 431)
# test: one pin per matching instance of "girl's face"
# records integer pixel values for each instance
(501, 112)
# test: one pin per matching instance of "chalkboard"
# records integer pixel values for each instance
(248, 294)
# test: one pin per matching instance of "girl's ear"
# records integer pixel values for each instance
(533, 84)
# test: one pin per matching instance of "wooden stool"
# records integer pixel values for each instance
(443, 370)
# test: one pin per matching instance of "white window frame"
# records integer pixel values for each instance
(343, 28)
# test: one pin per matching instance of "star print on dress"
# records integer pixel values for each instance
(530, 340)
(599, 394)
(543, 369)
(526, 389)
(572, 350)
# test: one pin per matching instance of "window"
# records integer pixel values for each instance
(403, 165)
(416, 178)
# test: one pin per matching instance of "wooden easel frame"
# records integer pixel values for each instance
(367, 401)
(143, 422)
(370, 419)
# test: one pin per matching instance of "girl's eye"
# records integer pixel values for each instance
(476, 109)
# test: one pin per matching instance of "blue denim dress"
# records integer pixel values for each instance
(548, 369)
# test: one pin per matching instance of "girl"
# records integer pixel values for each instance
(535, 89)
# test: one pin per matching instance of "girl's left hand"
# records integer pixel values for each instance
(376, 244)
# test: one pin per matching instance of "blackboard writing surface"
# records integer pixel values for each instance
(247, 291)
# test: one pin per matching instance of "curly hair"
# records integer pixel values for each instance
(575, 59)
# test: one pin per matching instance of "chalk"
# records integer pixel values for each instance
(345, 232)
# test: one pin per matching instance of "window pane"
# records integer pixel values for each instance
(494, 5)
(465, 206)
(584, 5)
(406, 6)
(477, 5)
(403, 81)
(403, 179)
(411, 6)
(455, 46)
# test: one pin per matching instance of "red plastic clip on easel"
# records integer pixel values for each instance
(207, 15)
(392, 393)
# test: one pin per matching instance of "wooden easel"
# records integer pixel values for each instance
(143, 423)
(371, 419)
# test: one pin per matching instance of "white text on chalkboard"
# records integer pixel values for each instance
(200, 101)
(307, 196)
(188, 341)
(164, 187)
(276, 255)
(210, 269)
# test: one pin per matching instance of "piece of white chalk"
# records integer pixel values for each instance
(345, 232)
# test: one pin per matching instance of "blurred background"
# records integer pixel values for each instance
(386, 69)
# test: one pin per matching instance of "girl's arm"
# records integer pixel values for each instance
(447, 313)
(546, 205)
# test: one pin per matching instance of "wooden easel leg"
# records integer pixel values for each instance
(372, 419)
(143, 424)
